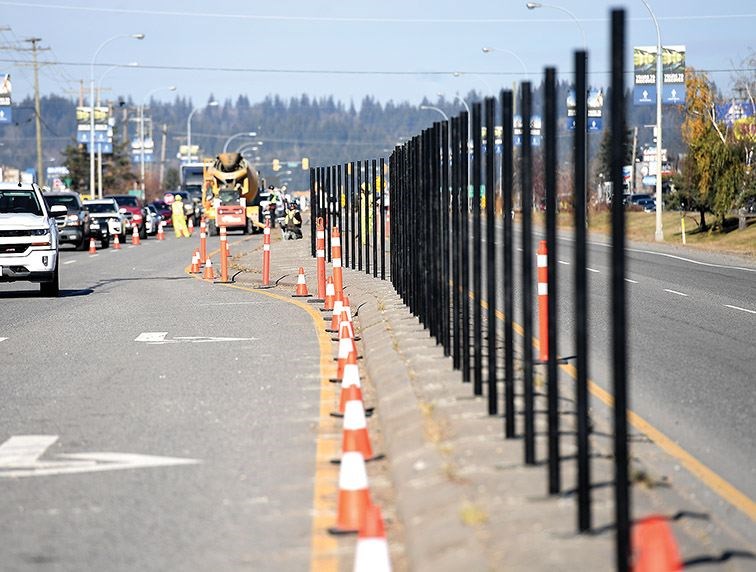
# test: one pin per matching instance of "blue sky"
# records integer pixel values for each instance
(389, 36)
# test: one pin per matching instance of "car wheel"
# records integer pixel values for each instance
(84, 244)
(143, 232)
(52, 288)
(105, 242)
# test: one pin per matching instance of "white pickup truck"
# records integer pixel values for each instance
(28, 237)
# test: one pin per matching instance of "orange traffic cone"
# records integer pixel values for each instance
(160, 232)
(191, 227)
(195, 263)
(301, 291)
(135, 236)
(117, 243)
(355, 436)
(351, 378)
(336, 316)
(372, 554)
(654, 546)
(209, 273)
(92, 247)
(330, 297)
(354, 496)
(346, 347)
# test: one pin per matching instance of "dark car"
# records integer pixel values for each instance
(136, 214)
(164, 210)
(74, 226)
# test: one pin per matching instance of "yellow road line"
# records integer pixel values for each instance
(720, 486)
(324, 547)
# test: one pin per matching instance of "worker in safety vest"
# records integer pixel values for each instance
(179, 218)
(292, 228)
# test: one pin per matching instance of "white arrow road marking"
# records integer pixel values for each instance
(151, 337)
(159, 338)
(726, 306)
(675, 292)
(19, 457)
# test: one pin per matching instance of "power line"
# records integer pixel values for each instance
(300, 71)
(355, 19)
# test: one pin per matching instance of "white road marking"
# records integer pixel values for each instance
(519, 250)
(564, 262)
(631, 281)
(19, 457)
(93, 255)
(229, 304)
(675, 292)
(726, 306)
(69, 262)
(132, 246)
(151, 337)
(592, 270)
(3, 339)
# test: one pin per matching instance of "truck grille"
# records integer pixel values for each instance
(8, 233)
(13, 248)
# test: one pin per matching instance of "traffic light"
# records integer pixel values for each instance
(276, 165)
(305, 163)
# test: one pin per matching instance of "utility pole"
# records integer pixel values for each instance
(162, 154)
(632, 161)
(37, 107)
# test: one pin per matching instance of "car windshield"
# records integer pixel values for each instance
(99, 208)
(127, 201)
(229, 197)
(70, 202)
(19, 201)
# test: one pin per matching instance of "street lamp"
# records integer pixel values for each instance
(534, 5)
(141, 130)
(434, 108)
(212, 103)
(99, 146)
(659, 234)
(235, 135)
(91, 103)
(490, 50)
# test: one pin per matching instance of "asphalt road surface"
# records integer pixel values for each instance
(137, 358)
(692, 352)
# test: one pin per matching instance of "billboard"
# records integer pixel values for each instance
(740, 116)
(595, 101)
(673, 78)
(535, 131)
(6, 91)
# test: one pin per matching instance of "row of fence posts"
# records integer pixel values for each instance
(436, 262)
(350, 197)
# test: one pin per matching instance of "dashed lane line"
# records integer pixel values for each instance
(676, 292)
(739, 308)
(3, 339)
(593, 270)
(631, 281)
(69, 262)
(564, 262)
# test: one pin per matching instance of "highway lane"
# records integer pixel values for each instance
(241, 409)
(691, 344)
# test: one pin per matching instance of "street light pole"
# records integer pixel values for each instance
(141, 131)
(534, 5)
(434, 108)
(189, 128)
(659, 234)
(489, 50)
(92, 104)
(235, 135)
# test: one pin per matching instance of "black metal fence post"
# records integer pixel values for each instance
(507, 190)
(618, 299)
(382, 207)
(552, 373)
(477, 245)
(328, 211)
(360, 221)
(368, 209)
(465, 244)
(374, 213)
(456, 242)
(581, 297)
(347, 205)
(313, 211)
(491, 295)
(445, 237)
(526, 199)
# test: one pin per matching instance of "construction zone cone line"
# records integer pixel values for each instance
(321, 266)
(543, 301)
(135, 237)
(224, 254)
(338, 281)
(191, 227)
(117, 243)
(209, 273)
(372, 553)
(654, 546)
(355, 435)
(301, 291)
(92, 247)
(354, 496)
(203, 241)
